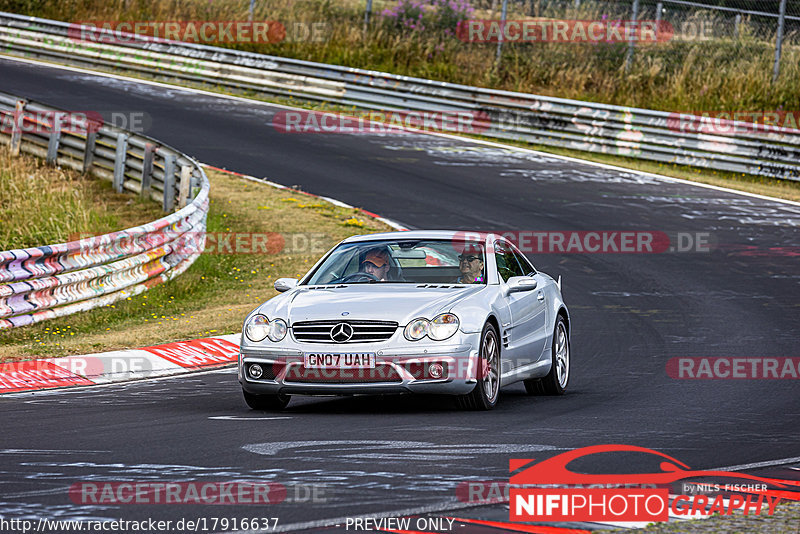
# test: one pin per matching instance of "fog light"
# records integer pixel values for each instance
(256, 371)
(436, 370)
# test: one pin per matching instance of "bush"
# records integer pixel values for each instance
(433, 15)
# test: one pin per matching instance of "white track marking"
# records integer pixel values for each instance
(769, 463)
(241, 418)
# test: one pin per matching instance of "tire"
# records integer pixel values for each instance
(487, 390)
(556, 381)
(266, 402)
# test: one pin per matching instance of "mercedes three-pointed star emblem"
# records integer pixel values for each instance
(341, 332)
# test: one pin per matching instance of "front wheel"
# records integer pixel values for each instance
(484, 396)
(266, 402)
(555, 383)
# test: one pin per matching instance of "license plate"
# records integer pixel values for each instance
(341, 360)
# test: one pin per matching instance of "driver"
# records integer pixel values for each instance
(470, 263)
(376, 263)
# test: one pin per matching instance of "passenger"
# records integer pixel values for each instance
(471, 266)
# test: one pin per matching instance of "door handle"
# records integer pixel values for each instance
(540, 296)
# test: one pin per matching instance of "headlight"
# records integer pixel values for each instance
(277, 329)
(443, 326)
(257, 328)
(416, 329)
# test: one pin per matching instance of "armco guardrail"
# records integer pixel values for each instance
(55, 280)
(557, 122)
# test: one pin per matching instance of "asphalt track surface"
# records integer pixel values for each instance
(630, 314)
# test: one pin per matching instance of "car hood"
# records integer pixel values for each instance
(376, 302)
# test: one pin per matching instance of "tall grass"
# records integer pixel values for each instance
(717, 74)
(42, 205)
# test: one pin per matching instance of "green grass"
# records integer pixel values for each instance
(213, 296)
(41, 205)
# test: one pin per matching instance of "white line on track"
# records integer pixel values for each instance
(769, 463)
(240, 418)
(49, 451)
(449, 136)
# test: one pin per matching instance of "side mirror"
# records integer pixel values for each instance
(516, 284)
(285, 284)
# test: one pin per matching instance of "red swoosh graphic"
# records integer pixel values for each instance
(554, 470)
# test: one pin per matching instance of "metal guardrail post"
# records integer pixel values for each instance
(185, 186)
(367, 14)
(634, 21)
(169, 182)
(196, 183)
(147, 168)
(88, 149)
(500, 38)
(119, 161)
(659, 9)
(55, 139)
(776, 69)
(737, 25)
(16, 132)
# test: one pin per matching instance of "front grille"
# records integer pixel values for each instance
(363, 331)
(381, 373)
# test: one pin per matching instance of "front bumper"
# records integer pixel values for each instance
(400, 367)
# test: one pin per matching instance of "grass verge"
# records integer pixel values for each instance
(41, 204)
(213, 296)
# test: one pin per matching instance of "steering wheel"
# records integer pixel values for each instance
(360, 275)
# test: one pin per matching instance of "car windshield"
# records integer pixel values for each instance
(421, 261)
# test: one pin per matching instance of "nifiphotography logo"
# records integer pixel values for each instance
(549, 491)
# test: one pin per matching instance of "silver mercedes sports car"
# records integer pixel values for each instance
(444, 312)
